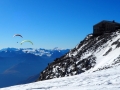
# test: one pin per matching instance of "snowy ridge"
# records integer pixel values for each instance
(93, 53)
(107, 55)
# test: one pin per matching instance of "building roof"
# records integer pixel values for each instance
(108, 22)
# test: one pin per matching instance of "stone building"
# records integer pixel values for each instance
(105, 27)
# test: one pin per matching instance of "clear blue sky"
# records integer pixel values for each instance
(52, 23)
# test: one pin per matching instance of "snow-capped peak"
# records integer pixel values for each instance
(92, 54)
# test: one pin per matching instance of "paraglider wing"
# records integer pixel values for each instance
(26, 41)
(17, 35)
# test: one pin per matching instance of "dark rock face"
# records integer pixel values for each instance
(76, 62)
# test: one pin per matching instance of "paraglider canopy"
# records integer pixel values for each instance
(17, 35)
(26, 41)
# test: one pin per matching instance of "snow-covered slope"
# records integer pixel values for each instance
(94, 52)
(108, 79)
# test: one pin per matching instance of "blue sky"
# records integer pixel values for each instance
(52, 23)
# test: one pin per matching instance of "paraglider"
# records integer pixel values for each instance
(23, 40)
(17, 35)
(26, 41)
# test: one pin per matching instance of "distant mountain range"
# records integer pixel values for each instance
(21, 65)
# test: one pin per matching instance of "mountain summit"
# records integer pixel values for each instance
(95, 52)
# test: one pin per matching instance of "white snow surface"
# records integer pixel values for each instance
(108, 59)
(108, 79)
